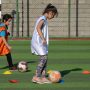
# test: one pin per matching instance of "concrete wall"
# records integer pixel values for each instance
(57, 26)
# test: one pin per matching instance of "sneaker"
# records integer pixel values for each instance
(45, 80)
(13, 68)
(37, 80)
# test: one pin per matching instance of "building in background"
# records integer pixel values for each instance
(66, 24)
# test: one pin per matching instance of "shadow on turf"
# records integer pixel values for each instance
(17, 64)
(65, 72)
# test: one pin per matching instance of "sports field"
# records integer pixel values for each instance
(70, 57)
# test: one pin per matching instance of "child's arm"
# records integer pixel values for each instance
(4, 40)
(39, 26)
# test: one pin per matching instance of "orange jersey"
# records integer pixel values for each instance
(3, 48)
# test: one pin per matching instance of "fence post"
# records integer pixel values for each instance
(77, 1)
(69, 17)
(22, 18)
(28, 18)
(0, 11)
(13, 14)
(17, 19)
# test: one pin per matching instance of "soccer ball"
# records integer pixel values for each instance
(22, 66)
(54, 76)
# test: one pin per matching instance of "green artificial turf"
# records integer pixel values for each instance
(69, 57)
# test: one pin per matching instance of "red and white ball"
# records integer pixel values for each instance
(22, 66)
(54, 76)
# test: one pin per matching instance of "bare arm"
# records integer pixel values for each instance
(40, 32)
(4, 40)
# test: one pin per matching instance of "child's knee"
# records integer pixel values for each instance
(43, 60)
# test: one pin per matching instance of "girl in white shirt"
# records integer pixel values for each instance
(39, 43)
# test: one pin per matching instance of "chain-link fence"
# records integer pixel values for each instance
(73, 19)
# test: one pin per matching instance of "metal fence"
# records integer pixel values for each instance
(73, 19)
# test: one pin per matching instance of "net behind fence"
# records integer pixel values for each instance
(73, 19)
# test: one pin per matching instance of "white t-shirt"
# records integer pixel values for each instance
(37, 46)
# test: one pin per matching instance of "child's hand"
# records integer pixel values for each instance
(44, 42)
(9, 47)
(8, 33)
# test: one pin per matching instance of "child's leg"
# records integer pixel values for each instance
(42, 63)
(9, 60)
(44, 79)
(10, 63)
(37, 77)
(41, 71)
(44, 70)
